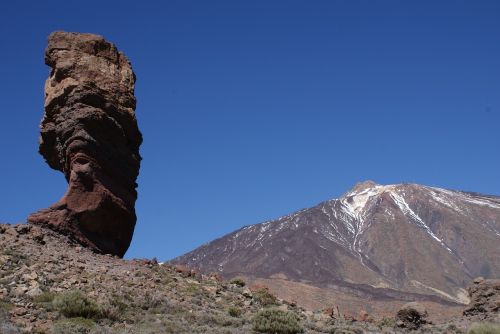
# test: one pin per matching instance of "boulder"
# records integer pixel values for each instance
(89, 132)
(485, 298)
(411, 316)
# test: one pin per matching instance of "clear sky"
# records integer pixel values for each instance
(253, 109)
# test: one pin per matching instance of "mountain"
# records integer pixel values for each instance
(403, 241)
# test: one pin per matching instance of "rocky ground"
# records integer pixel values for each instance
(351, 304)
(50, 284)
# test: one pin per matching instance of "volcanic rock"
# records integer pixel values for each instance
(89, 132)
(485, 298)
(403, 241)
(411, 316)
(137, 296)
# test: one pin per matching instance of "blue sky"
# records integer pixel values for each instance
(253, 109)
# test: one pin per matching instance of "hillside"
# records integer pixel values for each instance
(51, 284)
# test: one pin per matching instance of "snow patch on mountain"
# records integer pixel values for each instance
(469, 198)
(345, 220)
(355, 202)
(405, 208)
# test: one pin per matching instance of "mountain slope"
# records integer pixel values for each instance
(384, 240)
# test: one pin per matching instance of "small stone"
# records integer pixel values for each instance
(39, 237)
(19, 312)
(478, 280)
(23, 228)
(34, 292)
(30, 277)
(247, 293)
(364, 316)
(20, 290)
(11, 232)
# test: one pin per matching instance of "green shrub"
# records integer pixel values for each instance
(484, 328)
(5, 306)
(5, 326)
(221, 320)
(264, 297)
(346, 330)
(16, 257)
(74, 304)
(274, 321)
(238, 281)
(8, 328)
(234, 312)
(386, 322)
(74, 325)
(452, 328)
(44, 297)
(116, 307)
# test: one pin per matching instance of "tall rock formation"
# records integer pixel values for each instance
(89, 132)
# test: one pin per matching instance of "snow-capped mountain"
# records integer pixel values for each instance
(382, 239)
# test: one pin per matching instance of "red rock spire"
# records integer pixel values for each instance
(89, 132)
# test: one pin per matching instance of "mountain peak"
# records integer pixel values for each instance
(364, 185)
(366, 189)
(400, 236)
(358, 196)
(361, 187)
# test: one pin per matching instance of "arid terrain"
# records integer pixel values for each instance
(51, 284)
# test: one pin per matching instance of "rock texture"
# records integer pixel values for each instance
(411, 316)
(39, 267)
(405, 241)
(485, 299)
(89, 132)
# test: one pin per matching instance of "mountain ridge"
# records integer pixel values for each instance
(409, 238)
